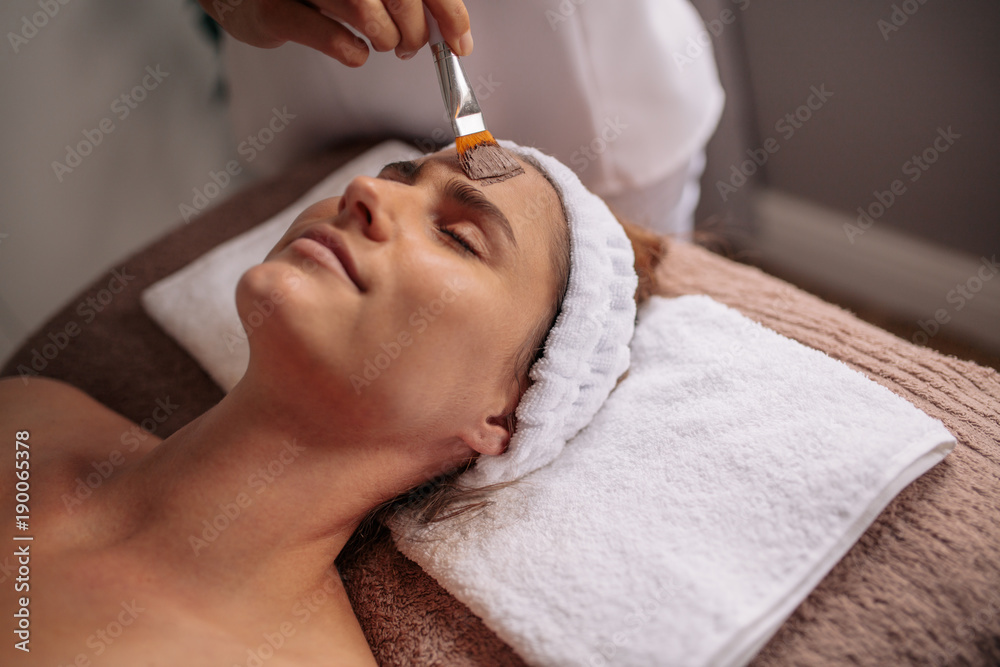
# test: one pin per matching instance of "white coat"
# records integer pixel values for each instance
(625, 92)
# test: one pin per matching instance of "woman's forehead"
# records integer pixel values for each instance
(531, 193)
(530, 202)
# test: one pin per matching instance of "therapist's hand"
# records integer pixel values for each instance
(321, 24)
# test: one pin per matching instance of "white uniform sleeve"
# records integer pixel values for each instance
(607, 86)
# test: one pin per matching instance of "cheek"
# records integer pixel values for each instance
(440, 334)
(426, 310)
(478, 330)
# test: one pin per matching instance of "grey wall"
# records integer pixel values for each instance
(58, 234)
(737, 130)
(891, 92)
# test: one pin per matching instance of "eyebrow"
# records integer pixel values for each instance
(459, 192)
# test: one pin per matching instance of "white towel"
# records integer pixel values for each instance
(587, 349)
(724, 477)
(716, 487)
(197, 305)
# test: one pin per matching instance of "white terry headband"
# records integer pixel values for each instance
(587, 349)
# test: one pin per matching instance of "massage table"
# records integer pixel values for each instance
(922, 585)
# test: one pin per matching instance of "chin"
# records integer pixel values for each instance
(261, 302)
(290, 331)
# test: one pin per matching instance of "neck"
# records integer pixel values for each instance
(255, 497)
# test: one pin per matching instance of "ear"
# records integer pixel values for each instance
(489, 436)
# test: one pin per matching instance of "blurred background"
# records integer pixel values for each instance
(857, 155)
(60, 230)
(898, 77)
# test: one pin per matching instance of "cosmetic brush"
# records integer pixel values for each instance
(481, 157)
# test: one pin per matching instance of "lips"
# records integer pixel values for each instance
(331, 240)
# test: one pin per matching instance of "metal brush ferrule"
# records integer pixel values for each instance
(459, 98)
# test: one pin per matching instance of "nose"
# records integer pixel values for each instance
(371, 205)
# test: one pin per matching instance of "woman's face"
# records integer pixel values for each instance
(403, 302)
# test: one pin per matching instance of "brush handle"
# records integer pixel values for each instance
(432, 26)
(456, 91)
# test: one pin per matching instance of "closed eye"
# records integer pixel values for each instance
(459, 239)
(486, 216)
(405, 171)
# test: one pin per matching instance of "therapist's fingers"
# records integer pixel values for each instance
(296, 22)
(408, 16)
(369, 17)
(270, 23)
(453, 19)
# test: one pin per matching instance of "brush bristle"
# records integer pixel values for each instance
(470, 141)
(483, 159)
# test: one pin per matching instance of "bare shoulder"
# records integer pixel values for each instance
(13, 387)
(53, 408)
(64, 445)
(23, 394)
(61, 424)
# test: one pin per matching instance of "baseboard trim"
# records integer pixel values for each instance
(881, 267)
